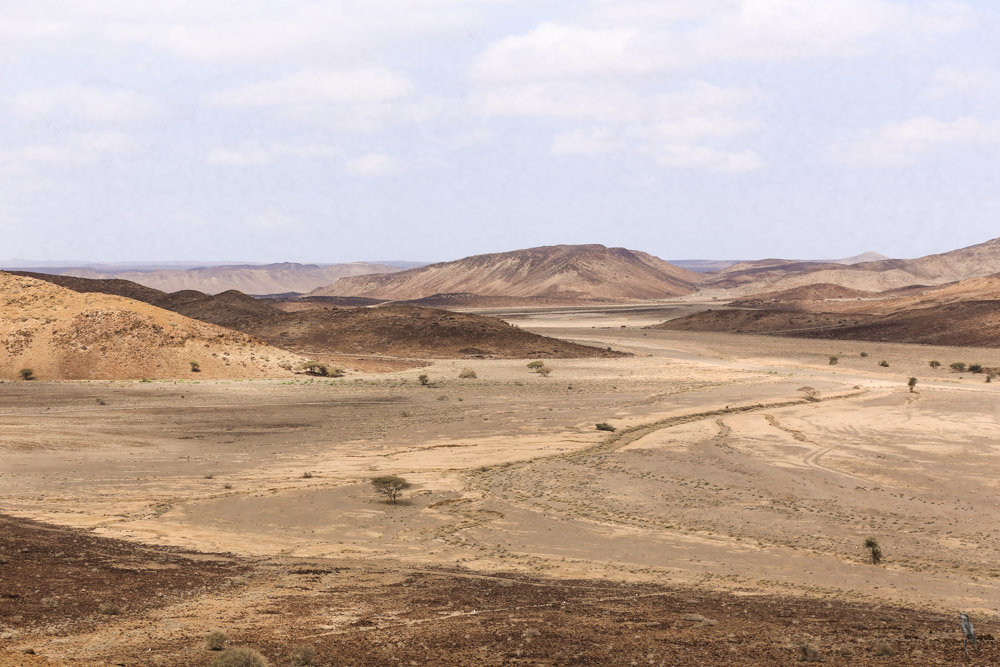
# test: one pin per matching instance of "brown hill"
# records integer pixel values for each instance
(63, 334)
(410, 331)
(405, 331)
(762, 321)
(265, 279)
(569, 273)
(807, 298)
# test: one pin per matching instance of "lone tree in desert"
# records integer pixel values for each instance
(912, 384)
(390, 486)
(875, 551)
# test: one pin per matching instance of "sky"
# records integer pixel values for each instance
(428, 130)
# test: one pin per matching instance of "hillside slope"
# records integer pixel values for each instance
(63, 334)
(562, 272)
(266, 279)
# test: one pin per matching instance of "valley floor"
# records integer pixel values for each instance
(734, 504)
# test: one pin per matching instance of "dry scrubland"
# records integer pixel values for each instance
(721, 523)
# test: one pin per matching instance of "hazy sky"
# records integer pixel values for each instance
(300, 130)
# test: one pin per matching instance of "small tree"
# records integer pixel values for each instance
(884, 363)
(390, 486)
(912, 384)
(27, 374)
(544, 371)
(605, 426)
(195, 366)
(934, 363)
(535, 365)
(958, 367)
(424, 379)
(810, 393)
(834, 359)
(875, 551)
(975, 368)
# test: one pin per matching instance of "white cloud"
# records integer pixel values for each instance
(272, 220)
(89, 104)
(949, 82)
(253, 154)
(77, 148)
(374, 164)
(906, 142)
(310, 87)
(706, 158)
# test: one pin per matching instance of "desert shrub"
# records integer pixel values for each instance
(958, 366)
(543, 371)
(533, 365)
(882, 648)
(605, 426)
(27, 374)
(319, 369)
(975, 368)
(216, 640)
(390, 486)
(874, 550)
(934, 363)
(195, 366)
(240, 656)
(884, 363)
(834, 359)
(468, 374)
(307, 475)
(424, 379)
(810, 393)
(809, 653)
(864, 354)
(304, 656)
(912, 383)
(109, 609)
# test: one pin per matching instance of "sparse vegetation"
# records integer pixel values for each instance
(958, 367)
(320, 369)
(424, 379)
(216, 640)
(535, 365)
(27, 374)
(240, 656)
(864, 354)
(390, 486)
(468, 374)
(834, 360)
(810, 393)
(304, 656)
(912, 383)
(307, 475)
(543, 371)
(882, 648)
(195, 366)
(874, 550)
(109, 609)
(884, 363)
(934, 363)
(975, 368)
(809, 653)
(605, 426)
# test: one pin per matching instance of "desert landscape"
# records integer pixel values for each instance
(588, 481)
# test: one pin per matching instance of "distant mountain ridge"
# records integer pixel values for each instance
(570, 272)
(277, 278)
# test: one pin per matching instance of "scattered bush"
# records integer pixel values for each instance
(533, 365)
(864, 354)
(319, 369)
(424, 379)
(605, 426)
(27, 374)
(307, 475)
(468, 374)
(543, 371)
(390, 486)
(240, 656)
(975, 368)
(109, 609)
(304, 656)
(934, 363)
(810, 393)
(195, 366)
(912, 383)
(958, 367)
(809, 653)
(884, 363)
(834, 359)
(216, 640)
(882, 648)
(875, 551)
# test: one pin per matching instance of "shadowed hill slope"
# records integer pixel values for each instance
(63, 334)
(567, 272)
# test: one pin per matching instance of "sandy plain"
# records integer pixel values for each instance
(725, 493)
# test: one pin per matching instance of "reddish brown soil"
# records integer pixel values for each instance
(366, 614)
(762, 321)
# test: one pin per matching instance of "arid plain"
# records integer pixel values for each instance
(723, 520)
